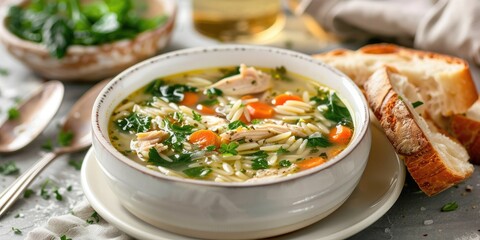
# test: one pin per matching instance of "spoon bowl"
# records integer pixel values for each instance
(35, 114)
(78, 123)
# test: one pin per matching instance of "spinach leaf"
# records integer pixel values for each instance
(336, 109)
(197, 172)
(171, 93)
(318, 142)
(236, 124)
(213, 92)
(57, 36)
(109, 23)
(178, 160)
(134, 123)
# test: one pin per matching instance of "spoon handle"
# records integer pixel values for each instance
(9, 195)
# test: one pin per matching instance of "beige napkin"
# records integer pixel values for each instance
(444, 26)
(76, 227)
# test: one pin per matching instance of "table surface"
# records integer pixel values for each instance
(413, 216)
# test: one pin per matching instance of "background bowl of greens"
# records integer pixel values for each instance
(78, 40)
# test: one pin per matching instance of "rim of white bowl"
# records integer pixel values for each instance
(7, 36)
(103, 139)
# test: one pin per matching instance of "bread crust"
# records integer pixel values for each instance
(410, 140)
(467, 131)
(372, 57)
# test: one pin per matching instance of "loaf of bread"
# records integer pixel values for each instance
(435, 161)
(444, 82)
(466, 128)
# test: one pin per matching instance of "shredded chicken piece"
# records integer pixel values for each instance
(147, 140)
(249, 81)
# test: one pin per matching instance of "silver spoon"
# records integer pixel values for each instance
(77, 122)
(35, 114)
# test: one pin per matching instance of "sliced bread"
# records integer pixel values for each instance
(435, 161)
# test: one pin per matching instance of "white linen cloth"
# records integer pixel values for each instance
(445, 26)
(75, 226)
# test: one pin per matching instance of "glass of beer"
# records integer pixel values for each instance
(238, 20)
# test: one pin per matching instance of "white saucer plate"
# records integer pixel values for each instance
(379, 188)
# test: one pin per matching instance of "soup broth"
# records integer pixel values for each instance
(231, 124)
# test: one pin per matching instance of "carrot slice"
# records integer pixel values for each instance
(259, 110)
(310, 163)
(189, 98)
(204, 138)
(245, 97)
(205, 110)
(282, 98)
(340, 134)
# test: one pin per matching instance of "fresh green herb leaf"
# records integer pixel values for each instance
(236, 124)
(58, 196)
(213, 92)
(209, 102)
(282, 150)
(13, 113)
(76, 164)
(43, 190)
(280, 73)
(417, 104)
(134, 123)
(196, 116)
(3, 72)
(318, 142)
(260, 163)
(19, 215)
(64, 237)
(228, 149)
(16, 231)
(178, 116)
(69, 188)
(451, 206)
(57, 36)
(256, 121)
(94, 218)
(284, 163)
(9, 168)
(197, 172)
(177, 134)
(211, 148)
(260, 154)
(178, 160)
(64, 138)
(322, 96)
(336, 110)
(28, 192)
(48, 145)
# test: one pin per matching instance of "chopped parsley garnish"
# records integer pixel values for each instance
(94, 218)
(134, 123)
(209, 102)
(260, 154)
(196, 116)
(64, 237)
(3, 71)
(13, 113)
(28, 192)
(19, 215)
(16, 231)
(64, 138)
(451, 206)
(211, 148)
(177, 116)
(236, 124)
(58, 196)
(69, 188)
(229, 149)
(285, 163)
(197, 172)
(259, 163)
(256, 121)
(9, 168)
(177, 135)
(318, 142)
(75, 164)
(178, 160)
(417, 104)
(213, 92)
(43, 190)
(48, 145)
(282, 150)
(280, 73)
